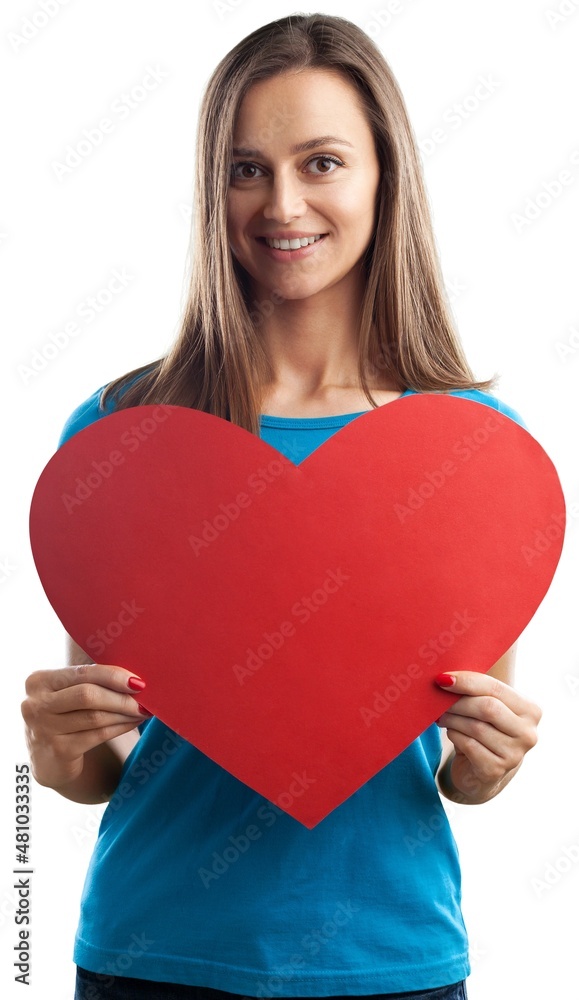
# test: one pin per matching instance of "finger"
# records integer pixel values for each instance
(473, 682)
(488, 710)
(91, 697)
(106, 675)
(69, 746)
(486, 735)
(67, 723)
(484, 762)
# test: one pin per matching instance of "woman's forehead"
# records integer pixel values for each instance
(291, 109)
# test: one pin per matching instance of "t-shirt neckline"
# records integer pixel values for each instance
(268, 420)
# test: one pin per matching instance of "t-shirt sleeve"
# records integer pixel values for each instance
(513, 414)
(89, 411)
(489, 399)
(84, 415)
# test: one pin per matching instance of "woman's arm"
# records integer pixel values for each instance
(489, 731)
(68, 715)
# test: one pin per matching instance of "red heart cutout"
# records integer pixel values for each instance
(288, 620)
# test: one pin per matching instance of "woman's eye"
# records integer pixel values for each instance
(326, 159)
(244, 164)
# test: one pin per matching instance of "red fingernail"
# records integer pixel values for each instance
(445, 680)
(144, 711)
(136, 684)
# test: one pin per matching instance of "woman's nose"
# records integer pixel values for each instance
(285, 200)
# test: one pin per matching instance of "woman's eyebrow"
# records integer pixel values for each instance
(300, 147)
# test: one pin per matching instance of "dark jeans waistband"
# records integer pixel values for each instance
(95, 986)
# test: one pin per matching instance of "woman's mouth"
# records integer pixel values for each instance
(291, 249)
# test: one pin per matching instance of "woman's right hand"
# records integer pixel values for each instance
(71, 710)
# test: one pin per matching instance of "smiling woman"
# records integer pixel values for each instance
(315, 294)
(303, 132)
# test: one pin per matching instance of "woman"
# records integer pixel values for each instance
(315, 291)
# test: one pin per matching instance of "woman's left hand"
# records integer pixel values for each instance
(492, 727)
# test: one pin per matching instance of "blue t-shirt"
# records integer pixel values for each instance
(198, 880)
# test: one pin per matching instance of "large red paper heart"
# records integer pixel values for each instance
(288, 620)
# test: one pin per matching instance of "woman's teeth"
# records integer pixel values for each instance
(293, 244)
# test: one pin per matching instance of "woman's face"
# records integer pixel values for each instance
(329, 189)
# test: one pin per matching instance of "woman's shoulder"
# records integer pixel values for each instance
(481, 396)
(92, 408)
(85, 413)
(489, 399)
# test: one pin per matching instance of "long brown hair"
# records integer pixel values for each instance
(218, 363)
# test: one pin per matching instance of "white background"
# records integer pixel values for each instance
(126, 206)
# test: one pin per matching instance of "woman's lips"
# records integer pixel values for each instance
(290, 255)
